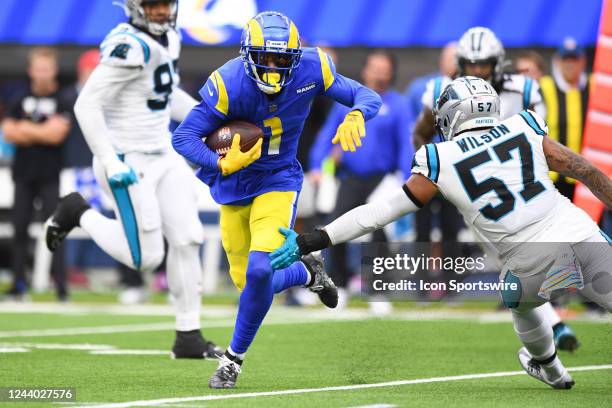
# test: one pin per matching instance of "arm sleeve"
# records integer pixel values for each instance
(101, 88)
(181, 104)
(352, 94)
(323, 143)
(187, 138)
(347, 91)
(370, 217)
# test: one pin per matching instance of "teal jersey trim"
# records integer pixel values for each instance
(530, 120)
(433, 162)
(527, 92)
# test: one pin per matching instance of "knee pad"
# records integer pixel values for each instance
(258, 269)
(190, 233)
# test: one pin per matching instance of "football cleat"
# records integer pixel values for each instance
(64, 219)
(226, 374)
(537, 371)
(191, 344)
(565, 338)
(323, 286)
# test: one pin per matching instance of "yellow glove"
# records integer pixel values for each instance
(350, 131)
(235, 159)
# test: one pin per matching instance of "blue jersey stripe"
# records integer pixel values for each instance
(433, 162)
(436, 91)
(532, 122)
(527, 92)
(128, 219)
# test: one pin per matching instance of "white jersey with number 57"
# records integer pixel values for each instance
(498, 179)
(138, 117)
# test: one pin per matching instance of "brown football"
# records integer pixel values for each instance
(220, 140)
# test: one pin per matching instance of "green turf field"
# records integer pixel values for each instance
(297, 350)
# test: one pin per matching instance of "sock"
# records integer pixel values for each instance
(235, 357)
(184, 282)
(255, 301)
(295, 274)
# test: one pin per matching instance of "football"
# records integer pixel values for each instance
(220, 140)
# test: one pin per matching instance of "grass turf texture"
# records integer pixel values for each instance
(312, 355)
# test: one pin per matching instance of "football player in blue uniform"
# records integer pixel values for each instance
(271, 84)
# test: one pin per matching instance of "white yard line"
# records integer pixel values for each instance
(125, 328)
(165, 401)
(130, 352)
(131, 328)
(56, 346)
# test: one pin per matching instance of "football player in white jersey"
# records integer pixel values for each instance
(496, 173)
(481, 54)
(124, 111)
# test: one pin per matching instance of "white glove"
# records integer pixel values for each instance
(118, 173)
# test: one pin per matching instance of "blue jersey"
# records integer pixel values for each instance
(229, 94)
(387, 147)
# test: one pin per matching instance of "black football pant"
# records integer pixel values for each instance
(27, 194)
(353, 192)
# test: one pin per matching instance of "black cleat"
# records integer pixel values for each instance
(322, 285)
(191, 344)
(565, 338)
(64, 219)
(226, 374)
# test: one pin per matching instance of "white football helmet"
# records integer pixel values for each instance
(135, 11)
(467, 103)
(479, 44)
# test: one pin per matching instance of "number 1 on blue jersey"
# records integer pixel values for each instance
(276, 129)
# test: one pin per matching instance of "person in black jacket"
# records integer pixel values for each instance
(36, 122)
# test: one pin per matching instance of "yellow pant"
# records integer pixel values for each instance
(254, 227)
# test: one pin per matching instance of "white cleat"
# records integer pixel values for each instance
(537, 371)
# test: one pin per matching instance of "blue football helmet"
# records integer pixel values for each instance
(270, 50)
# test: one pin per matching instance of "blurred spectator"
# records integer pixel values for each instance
(415, 90)
(566, 94)
(37, 123)
(386, 148)
(530, 63)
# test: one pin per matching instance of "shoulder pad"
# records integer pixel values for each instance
(535, 122)
(324, 65)
(124, 48)
(515, 82)
(426, 161)
(215, 93)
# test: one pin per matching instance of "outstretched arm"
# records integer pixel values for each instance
(564, 161)
(417, 191)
